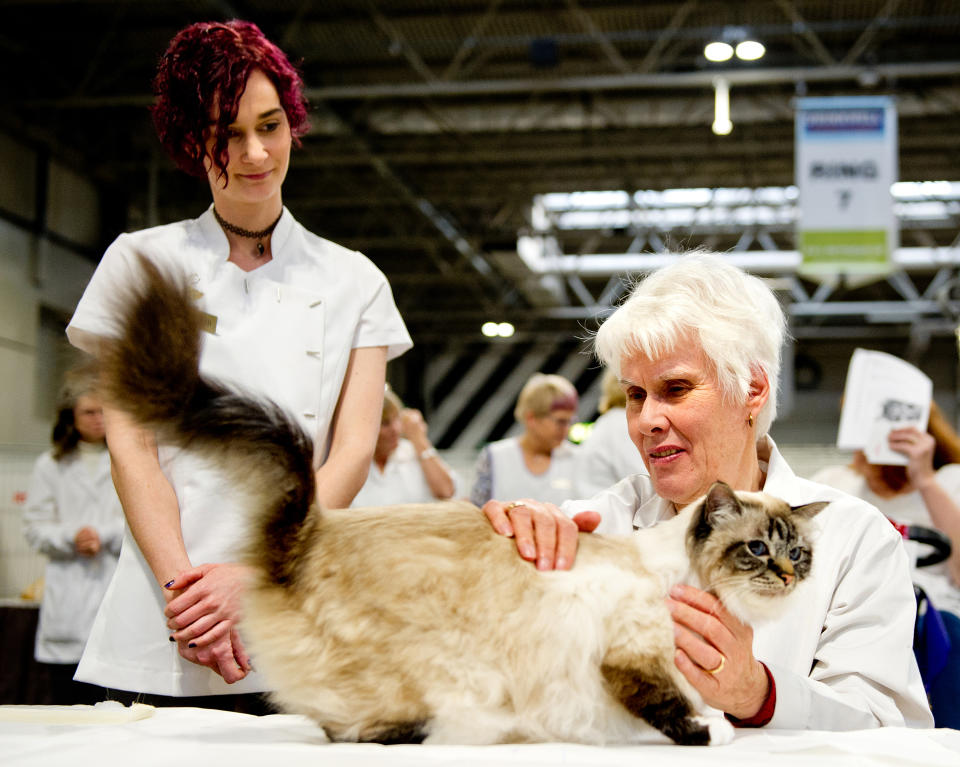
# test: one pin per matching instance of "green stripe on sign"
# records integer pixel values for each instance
(845, 249)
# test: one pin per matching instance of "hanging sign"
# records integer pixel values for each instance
(846, 161)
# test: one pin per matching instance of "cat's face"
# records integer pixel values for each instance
(751, 549)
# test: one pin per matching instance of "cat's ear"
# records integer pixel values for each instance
(810, 510)
(720, 504)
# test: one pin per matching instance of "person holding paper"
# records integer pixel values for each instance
(923, 492)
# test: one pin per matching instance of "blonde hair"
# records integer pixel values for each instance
(733, 316)
(612, 394)
(392, 405)
(543, 393)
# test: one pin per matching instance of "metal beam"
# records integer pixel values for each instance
(867, 36)
(399, 43)
(806, 32)
(652, 58)
(641, 81)
(470, 41)
(586, 21)
(635, 81)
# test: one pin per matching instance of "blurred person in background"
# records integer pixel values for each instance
(406, 468)
(540, 462)
(73, 517)
(608, 454)
(925, 493)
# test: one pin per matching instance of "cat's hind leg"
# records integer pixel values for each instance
(397, 733)
(654, 696)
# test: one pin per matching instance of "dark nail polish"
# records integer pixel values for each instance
(192, 644)
(171, 638)
(168, 584)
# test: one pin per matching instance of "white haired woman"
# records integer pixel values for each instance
(697, 350)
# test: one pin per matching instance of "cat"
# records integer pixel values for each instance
(405, 623)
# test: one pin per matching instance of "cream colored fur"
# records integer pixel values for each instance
(421, 613)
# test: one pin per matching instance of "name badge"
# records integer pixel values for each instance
(208, 323)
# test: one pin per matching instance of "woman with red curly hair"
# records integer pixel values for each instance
(290, 316)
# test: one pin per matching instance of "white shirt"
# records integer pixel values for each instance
(842, 658)
(909, 509)
(401, 481)
(607, 455)
(284, 330)
(65, 496)
(502, 473)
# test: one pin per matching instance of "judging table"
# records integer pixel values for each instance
(110, 735)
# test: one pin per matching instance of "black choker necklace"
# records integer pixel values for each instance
(258, 236)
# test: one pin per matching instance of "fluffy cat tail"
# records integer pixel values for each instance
(151, 371)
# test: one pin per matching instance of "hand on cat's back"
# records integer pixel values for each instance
(715, 653)
(543, 533)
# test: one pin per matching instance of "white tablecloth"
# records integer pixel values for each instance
(36, 736)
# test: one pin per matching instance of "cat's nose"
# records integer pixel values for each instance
(784, 571)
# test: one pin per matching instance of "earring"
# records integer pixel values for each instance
(750, 420)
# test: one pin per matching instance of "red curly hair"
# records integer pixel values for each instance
(205, 66)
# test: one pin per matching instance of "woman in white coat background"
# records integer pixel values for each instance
(406, 468)
(539, 462)
(608, 454)
(289, 315)
(73, 517)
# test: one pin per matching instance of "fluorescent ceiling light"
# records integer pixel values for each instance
(718, 51)
(721, 107)
(750, 50)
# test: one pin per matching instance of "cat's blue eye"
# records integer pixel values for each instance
(757, 548)
(795, 553)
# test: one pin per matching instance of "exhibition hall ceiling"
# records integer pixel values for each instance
(436, 124)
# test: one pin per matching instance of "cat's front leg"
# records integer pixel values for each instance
(473, 727)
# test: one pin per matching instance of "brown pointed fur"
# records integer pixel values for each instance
(418, 621)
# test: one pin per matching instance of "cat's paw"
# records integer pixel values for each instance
(721, 731)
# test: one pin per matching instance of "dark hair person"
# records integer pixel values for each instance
(290, 316)
(73, 518)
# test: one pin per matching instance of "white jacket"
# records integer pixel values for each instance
(607, 455)
(65, 496)
(842, 657)
(284, 330)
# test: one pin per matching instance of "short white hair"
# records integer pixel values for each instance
(734, 316)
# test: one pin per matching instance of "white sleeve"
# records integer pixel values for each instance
(380, 322)
(618, 506)
(94, 317)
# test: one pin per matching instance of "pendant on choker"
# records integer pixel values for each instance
(240, 232)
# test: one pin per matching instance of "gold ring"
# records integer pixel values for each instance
(719, 668)
(512, 505)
